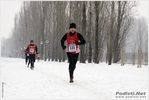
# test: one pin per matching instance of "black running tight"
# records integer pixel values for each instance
(72, 62)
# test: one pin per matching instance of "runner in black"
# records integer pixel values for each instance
(73, 40)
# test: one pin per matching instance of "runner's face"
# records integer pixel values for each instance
(72, 30)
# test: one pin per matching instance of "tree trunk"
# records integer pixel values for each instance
(96, 51)
(146, 59)
(133, 58)
(82, 54)
(110, 51)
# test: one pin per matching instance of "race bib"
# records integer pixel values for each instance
(32, 50)
(27, 54)
(72, 47)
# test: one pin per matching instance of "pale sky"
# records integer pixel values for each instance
(9, 8)
(143, 8)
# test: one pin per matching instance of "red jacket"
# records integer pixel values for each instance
(32, 48)
(71, 45)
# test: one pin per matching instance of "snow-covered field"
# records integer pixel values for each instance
(50, 80)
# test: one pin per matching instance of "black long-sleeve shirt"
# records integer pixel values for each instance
(80, 37)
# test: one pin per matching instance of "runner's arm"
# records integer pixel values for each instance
(63, 40)
(82, 41)
(27, 48)
(36, 50)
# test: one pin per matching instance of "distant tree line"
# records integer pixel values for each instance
(105, 26)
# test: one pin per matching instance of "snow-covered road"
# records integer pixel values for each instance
(50, 80)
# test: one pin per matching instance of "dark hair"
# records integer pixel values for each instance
(31, 41)
(72, 25)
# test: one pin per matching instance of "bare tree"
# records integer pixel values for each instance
(111, 32)
(103, 24)
(89, 35)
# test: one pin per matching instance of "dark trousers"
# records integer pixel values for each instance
(32, 60)
(72, 62)
(26, 59)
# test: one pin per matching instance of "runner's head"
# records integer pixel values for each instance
(72, 27)
(31, 42)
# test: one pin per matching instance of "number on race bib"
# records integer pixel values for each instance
(72, 47)
(31, 49)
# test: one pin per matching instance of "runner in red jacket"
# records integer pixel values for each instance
(32, 50)
(73, 40)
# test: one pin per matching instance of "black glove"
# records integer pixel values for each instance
(77, 43)
(64, 47)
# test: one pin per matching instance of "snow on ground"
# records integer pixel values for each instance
(50, 80)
